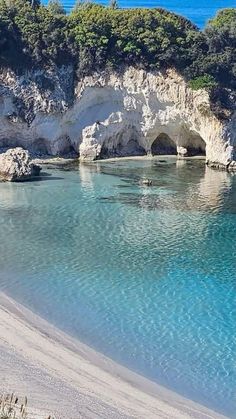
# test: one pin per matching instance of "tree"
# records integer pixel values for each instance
(94, 37)
(35, 3)
(11, 4)
(114, 4)
(55, 7)
(81, 4)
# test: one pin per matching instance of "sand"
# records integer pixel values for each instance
(63, 377)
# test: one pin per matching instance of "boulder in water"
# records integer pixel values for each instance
(16, 166)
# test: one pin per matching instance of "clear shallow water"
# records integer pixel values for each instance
(197, 11)
(145, 275)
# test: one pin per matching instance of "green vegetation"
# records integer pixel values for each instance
(219, 60)
(55, 7)
(203, 82)
(93, 38)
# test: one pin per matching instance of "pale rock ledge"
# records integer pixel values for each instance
(133, 112)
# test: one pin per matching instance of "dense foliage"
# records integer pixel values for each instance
(220, 59)
(94, 37)
(203, 82)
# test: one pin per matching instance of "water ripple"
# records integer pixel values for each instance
(146, 275)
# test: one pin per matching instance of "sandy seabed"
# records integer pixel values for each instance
(65, 378)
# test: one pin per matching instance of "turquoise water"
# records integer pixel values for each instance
(145, 275)
(198, 11)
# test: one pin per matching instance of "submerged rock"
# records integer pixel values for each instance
(232, 166)
(146, 182)
(15, 165)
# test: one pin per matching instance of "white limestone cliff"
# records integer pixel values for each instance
(134, 112)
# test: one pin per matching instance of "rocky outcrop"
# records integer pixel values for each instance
(182, 151)
(133, 112)
(15, 166)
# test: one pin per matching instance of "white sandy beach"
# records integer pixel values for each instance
(69, 380)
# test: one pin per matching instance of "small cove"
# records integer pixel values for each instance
(144, 275)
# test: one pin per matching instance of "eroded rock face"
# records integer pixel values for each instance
(134, 112)
(15, 165)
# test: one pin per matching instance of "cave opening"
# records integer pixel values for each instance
(197, 147)
(122, 149)
(39, 146)
(193, 142)
(163, 144)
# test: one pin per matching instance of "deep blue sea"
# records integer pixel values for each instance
(145, 275)
(198, 11)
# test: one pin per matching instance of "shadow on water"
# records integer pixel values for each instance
(65, 167)
(44, 176)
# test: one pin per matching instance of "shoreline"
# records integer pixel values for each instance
(63, 377)
(156, 157)
(47, 160)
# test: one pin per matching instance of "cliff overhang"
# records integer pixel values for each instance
(133, 112)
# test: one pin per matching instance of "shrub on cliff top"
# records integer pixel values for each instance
(94, 37)
(203, 82)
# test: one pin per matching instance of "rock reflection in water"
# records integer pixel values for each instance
(108, 272)
(181, 189)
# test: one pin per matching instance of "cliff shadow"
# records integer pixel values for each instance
(163, 144)
(192, 141)
(122, 146)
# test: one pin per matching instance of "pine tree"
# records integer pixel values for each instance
(81, 3)
(56, 7)
(114, 4)
(35, 3)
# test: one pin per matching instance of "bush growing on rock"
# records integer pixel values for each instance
(203, 82)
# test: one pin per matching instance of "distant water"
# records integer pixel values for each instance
(144, 275)
(198, 11)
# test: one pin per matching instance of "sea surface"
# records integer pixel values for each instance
(199, 11)
(146, 275)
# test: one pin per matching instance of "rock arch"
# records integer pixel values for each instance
(163, 144)
(123, 144)
(193, 142)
